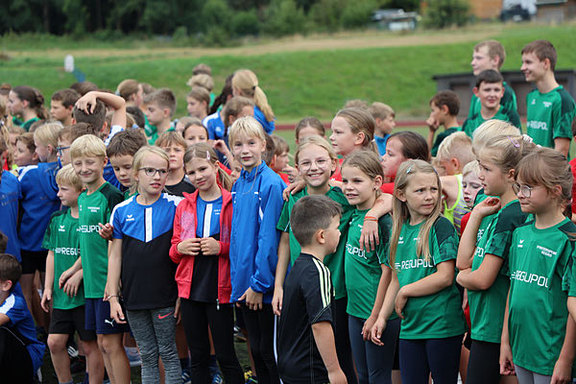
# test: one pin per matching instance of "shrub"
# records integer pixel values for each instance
(446, 13)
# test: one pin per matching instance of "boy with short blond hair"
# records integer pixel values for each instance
(63, 284)
(95, 204)
(62, 104)
(160, 106)
(490, 54)
(551, 109)
(383, 116)
(306, 346)
(444, 108)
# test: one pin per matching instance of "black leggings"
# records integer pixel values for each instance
(196, 317)
(15, 361)
(342, 339)
(483, 364)
(260, 327)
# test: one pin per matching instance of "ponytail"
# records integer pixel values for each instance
(246, 81)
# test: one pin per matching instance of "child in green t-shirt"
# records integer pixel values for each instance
(444, 108)
(550, 108)
(63, 285)
(423, 249)
(366, 277)
(539, 333)
(95, 204)
(483, 252)
(489, 90)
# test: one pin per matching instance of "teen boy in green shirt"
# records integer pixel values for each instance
(489, 90)
(490, 54)
(95, 204)
(551, 109)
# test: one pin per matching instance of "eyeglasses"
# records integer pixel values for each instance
(151, 172)
(61, 150)
(320, 163)
(525, 189)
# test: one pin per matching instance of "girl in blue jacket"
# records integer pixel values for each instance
(257, 202)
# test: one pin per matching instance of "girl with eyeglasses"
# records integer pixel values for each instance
(139, 266)
(538, 336)
(483, 252)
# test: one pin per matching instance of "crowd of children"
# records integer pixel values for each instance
(378, 257)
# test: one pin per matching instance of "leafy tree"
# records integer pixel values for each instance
(284, 18)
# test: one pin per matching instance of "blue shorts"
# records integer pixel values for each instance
(98, 318)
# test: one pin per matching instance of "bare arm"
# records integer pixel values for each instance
(506, 362)
(281, 268)
(383, 284)
(386, 308)
(482, 278)
(563, 367)
(324, 337)
(562, 145)
(114, 268)
(48, 282)
(431, 284)
(369, 237)
(118, 104)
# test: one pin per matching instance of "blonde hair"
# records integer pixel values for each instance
(248, 126)
(458, 145)
(401, 214)
(366, 161)
(201, 80)
(318, 141)
(548, 168)
(47, 134)
(88, 146)
(139, 158)
(246, 81)
(127, 88)
(205, 152)
(494, 48)
(68, 176)
(359, 121)
(380, 110)
(507, 151)
(471, 167)
(490, 129)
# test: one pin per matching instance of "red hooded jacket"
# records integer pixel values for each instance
(185, 222)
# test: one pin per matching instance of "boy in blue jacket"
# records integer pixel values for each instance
(257, 202)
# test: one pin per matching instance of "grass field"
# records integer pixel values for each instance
(313, 76)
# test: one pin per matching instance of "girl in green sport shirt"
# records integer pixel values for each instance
(366, 277)
(483, 253)
(538, 335)
(422, 256)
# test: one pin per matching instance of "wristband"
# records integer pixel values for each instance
(370, 218)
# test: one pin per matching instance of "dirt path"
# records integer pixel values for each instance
(370, 39)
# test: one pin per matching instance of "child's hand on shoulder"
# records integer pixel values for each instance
(190, 247)
(293, 188)
(106, 231)
(487, 207)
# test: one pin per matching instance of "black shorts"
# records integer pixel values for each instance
(68, 321)
(33, 261)
(98, 318)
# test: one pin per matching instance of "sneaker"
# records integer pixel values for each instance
(186, 378)
(249, 378)
(133, 356)
(217, 379)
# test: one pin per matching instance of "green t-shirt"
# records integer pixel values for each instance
(474, 121)
(28, 123)
(539, 263)
(508, 103)
(440, 138)
(549, 116)
(334, 261)
(434, 316)
(362, 268)
(62, 238)
(487, 307)
(95, 208)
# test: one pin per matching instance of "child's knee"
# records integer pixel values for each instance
(109, 344)
(57, 343)
(90, 347)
